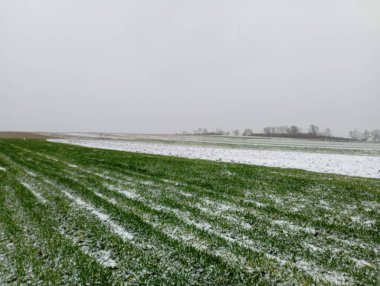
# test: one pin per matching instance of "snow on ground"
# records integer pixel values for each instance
(34, 192)
(232, 140)
(117, 229)
(352, 165)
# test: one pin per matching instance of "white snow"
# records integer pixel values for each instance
(127, 193)
(361, 262)
(352, 165)
(293, 227)
(52, 158)
(30, 173)
(330, 276)
(103, 257)
(312, 247)
(34, 192)
(258, 204)
(110, 200)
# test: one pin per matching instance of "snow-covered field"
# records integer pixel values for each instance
(251, 142)
(352, 165)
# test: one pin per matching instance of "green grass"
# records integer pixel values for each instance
(74, 215)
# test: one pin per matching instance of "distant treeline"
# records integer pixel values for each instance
(313, 132)
(365, 135)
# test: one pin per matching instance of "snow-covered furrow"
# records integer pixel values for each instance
(176, 232)
(116, 228)
(352, 165)
(103, 257)
(32, 189)
(7, 267)
(103, 217)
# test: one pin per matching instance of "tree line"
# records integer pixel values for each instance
(365, 135)
(293, 131)
(283, 131)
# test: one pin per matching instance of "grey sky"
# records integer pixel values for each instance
(167, 66)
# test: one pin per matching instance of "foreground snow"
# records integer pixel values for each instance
(362, 166)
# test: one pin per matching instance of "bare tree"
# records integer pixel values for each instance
(282, 130)
(294, 130)
(355, 134)
(267, 130)
(314, 130)
(366, 135)
(327, 132)
(200, 131)
(248, 132)
(236, 132)
(219, 131)
(375, 134)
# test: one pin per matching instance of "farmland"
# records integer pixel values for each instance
(235, 142)
(77, 215)
(354, 159)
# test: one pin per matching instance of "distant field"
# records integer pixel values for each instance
(246, 142)
(351, 162)
(26, 135)
(75, 215)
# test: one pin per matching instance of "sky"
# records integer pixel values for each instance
(160, 66)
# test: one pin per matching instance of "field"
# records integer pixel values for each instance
(237, 142)
(73, 215)
(344, 158)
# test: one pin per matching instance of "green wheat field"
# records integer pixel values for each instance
(72, 215)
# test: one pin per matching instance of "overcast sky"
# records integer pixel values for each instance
(166, 66)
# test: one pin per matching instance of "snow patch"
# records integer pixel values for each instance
(330, 276)
(361, 263)
(293, 227)
(52, 158)
(258, 204)
(30, 173)
(110, 200)
(103, 257)
(312, 247)
(127, 193)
